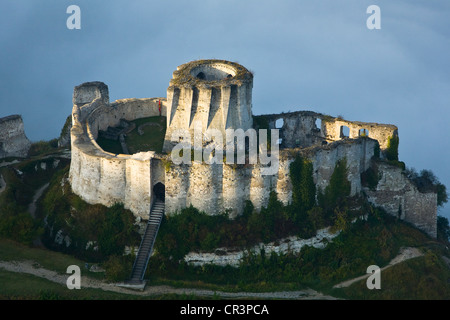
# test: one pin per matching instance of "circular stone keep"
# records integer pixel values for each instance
(214, 72)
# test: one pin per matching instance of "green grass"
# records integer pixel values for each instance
(108, 145)
(422, 278)
(151, 140)
(25, 286)
(153, 137)
(13, 251)
(42, 148)
(19, 286)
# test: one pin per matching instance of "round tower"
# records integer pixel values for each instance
(208, 94)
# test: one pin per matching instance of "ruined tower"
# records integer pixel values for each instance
(13, 141)
(213, 94)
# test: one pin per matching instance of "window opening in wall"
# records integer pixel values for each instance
(279, 123)
(201, 75)
(363, 132)
(345, 132)
(318, 124)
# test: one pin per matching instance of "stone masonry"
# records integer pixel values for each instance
(13, 141)
(217, 94)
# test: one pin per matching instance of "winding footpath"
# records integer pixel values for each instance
(36, 196)
(405, 254)
(35, 269)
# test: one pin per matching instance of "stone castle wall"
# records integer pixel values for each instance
(13, 141)
(398, 196)
(213, 94)
(103, 177)
(220, 187)
(217, 103)
(307, 128)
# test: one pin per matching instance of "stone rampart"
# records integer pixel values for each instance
(220, 187)
(102, 177)
(398, 196)
(307, 128)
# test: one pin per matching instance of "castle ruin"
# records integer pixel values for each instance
(13, 141)
(218, 95)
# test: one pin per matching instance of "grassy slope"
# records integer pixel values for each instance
(151, 140)
(420, 278)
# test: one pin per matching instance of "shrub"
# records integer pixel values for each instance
(303, 186)
(118, 268)
(337, 191)
(42, 147)
(392, 148)
(21, 227)
(427, 181)
(370, 178)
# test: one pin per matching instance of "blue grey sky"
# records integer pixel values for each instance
(306, 55)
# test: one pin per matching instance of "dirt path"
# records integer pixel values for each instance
(405, 254)
(33, 268)
(37, 195)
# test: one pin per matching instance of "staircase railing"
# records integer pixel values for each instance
(147, 257)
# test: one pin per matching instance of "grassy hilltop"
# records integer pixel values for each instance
(96, 234)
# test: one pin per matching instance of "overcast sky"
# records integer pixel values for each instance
(306, 55)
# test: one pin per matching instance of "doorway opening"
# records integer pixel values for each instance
(159, 190)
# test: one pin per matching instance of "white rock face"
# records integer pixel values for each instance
(223, 256)
(13, 141)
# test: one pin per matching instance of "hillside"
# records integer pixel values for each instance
(96, 234)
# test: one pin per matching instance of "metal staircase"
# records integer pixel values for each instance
(146, 247)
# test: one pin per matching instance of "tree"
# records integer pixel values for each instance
(339, 187)
(303, 187)
(427, 181)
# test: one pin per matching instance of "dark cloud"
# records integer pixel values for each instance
(315, 55)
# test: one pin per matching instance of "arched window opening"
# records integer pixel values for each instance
(345, 132)
(279, 123)
(363, 132)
